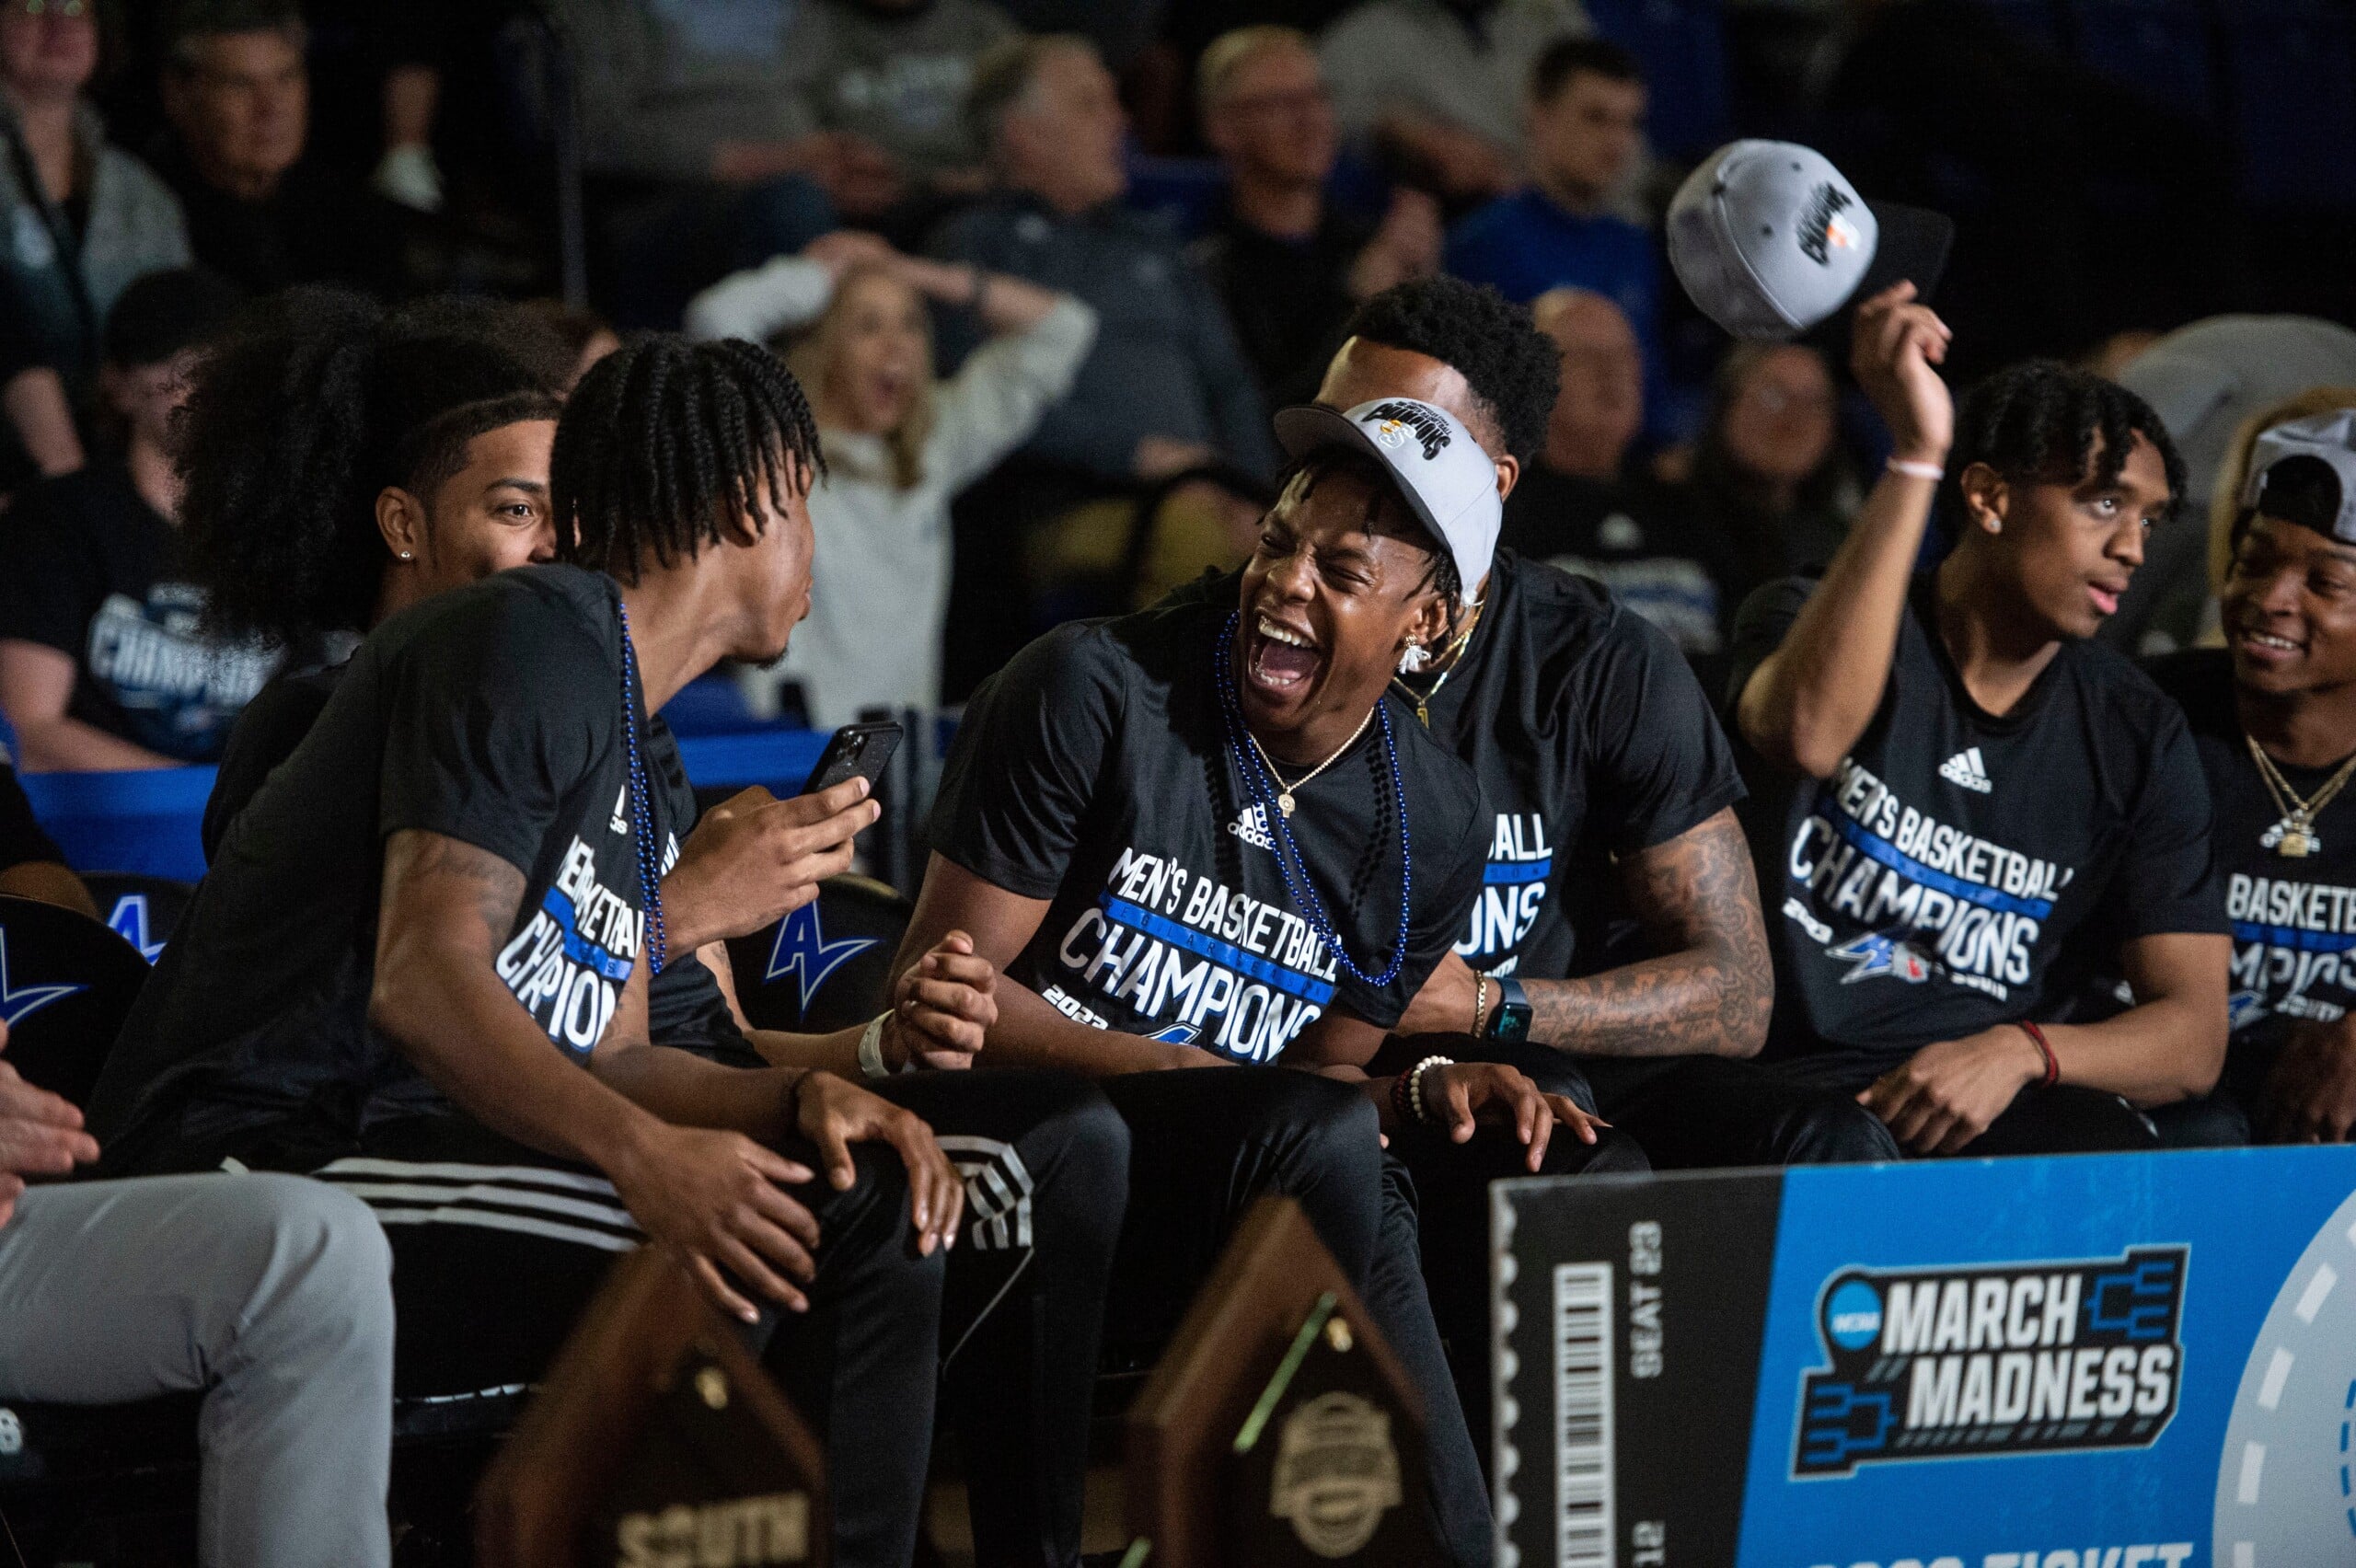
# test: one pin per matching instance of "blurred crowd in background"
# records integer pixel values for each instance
(1046, 265)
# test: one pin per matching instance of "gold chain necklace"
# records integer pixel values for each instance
(1284, 790)
(2295, 837)
(1447, 661)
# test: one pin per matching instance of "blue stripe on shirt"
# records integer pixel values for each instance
(1120, 912)
(2293, 938)
(578, 948)
(1905, 865)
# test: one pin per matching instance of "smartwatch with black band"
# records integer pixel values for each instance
(1511, 1021)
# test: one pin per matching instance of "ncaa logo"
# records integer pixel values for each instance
(1853, 1315)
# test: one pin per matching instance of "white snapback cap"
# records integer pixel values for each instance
(1448, 483)
(2328, 439)
(1771, 240)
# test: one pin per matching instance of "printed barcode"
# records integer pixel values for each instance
(1583, 1453)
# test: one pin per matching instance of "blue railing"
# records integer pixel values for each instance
(148, 822)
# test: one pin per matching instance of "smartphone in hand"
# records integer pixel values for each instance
(856, 751)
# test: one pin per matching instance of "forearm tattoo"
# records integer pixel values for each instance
(1712, 985)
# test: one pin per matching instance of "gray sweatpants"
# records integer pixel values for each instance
(273, 1292)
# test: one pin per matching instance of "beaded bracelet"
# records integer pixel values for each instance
(1422, 1112)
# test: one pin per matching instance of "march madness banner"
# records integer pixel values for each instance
(2137, 1361)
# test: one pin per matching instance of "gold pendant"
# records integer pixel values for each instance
(2296, 845)
(1283, 804)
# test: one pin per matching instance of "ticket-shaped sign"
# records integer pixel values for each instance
(2132, 1360)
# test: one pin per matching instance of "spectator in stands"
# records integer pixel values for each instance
(2273, 716)
(464, 494)
(1769, 473)
(1437, 85)
(1165, 387)
(863, 97)
(84, 219)
(1961, 801)
(104, 663)
(268, 1294)
(1586, 120)
(364, 977)
(259, 211)
(719, 137)
(1579, 506)
(1289, 263)
(899, 445)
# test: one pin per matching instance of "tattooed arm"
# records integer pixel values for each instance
(1707, 992)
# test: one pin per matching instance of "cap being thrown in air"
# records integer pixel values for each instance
(1770, 240)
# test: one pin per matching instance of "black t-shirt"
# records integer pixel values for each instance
(265, 734)
(2293, 920)
(88, 568)
(1591, 738)
(321, 226)
(493, 715)
(1645, 541)
(1288, 298)
(685, 1004)
(1960, 869)
(22, 842)
(1094, 772)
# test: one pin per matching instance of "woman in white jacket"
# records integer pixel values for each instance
(899, 445)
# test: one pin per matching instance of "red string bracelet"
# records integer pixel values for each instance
(2045, 1046)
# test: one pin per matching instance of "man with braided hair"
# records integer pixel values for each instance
(420, 966)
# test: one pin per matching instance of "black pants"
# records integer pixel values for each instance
(2229, 1115)
(1696, 1113)
(2065, 1119)
(497, 1247)
(1203, 1145)
(1046, 1160)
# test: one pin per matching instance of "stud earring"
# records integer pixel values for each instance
(1995, 524)
(408, 555)
(1413, 658)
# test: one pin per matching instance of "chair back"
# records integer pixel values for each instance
(66, 982)
(826, 966)
(143, 910)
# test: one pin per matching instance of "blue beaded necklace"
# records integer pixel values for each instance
(1258, 780)
(649, 868)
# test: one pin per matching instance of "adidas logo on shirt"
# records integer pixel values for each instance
(1253, 828)
(1965, 769)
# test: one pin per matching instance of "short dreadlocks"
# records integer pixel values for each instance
(665, 440)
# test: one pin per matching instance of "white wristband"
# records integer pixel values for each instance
(871, 1050)
(1913, 470)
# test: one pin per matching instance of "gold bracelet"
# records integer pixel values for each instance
(1480, 1000)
